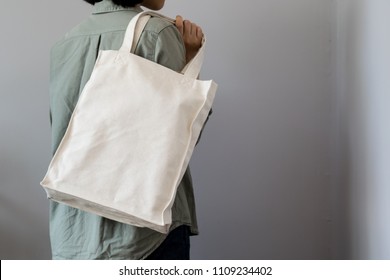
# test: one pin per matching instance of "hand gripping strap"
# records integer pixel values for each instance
(134, 31)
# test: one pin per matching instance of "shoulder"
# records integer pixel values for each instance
(162, 42)
(158, 25)
(164, 30)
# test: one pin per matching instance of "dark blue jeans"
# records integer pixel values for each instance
(176, 246)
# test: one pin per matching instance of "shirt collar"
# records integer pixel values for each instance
(107, 6)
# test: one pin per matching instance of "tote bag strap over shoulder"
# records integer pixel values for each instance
(134, 31)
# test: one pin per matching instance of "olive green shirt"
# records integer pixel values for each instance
(76, 234)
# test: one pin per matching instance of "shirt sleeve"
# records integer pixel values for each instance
(170, 50)
(162, 43)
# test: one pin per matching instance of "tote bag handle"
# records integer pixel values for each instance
(134, 30)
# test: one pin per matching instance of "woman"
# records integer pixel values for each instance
(76, 234)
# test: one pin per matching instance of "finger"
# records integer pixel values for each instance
(179, 24)
(199, 32)
(187, 27)
(194, 29)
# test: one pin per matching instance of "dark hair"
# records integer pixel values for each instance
(123, 3)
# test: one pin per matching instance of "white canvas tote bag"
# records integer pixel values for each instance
(131, 136)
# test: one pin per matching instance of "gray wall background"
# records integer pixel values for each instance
(270, 172)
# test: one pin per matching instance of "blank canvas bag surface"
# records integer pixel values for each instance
(131, 136)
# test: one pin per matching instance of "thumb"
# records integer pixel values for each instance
(179, 24)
